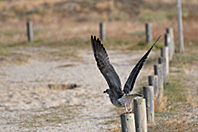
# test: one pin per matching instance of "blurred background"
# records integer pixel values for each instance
(63, 20)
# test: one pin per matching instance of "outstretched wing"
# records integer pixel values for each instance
(106, 68)
(128, 87)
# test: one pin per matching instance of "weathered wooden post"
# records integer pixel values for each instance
(162, 61)
(30, 33)
(180, 26)
(164, 54)
(172, 43)
(149, 35)
(140, 114)
(158, 70)
(153, 81)
(149, 96)
(167, 41)
(128, 122)
(102, 31)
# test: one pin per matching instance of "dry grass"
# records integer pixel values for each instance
(160, 103)
(191, 101)
(50, 26)
(179, 106)
(171, 1)
(118, 129)
(171, 123)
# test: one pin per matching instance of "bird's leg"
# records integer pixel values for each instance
(126, 110)
(130, 106)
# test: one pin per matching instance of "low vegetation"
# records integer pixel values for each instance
(180, 94)
(49, 116)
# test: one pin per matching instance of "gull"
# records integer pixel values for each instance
(118, 97)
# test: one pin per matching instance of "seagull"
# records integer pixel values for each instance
(118, 97)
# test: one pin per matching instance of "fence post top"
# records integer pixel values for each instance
(138, 99)
(127, 114)
(169, 29)
(148, 23)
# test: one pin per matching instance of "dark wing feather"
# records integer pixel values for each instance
(106, 68)
(128, 87)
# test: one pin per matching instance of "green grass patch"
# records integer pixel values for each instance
(118, 42)
(13, 57)
(74, 42)
(126, 44)
(137, 33)
(182, 60)
(179, 82)
(174, 90)
(5, 51)
(50, 42)
(142, 45)
(186, 58)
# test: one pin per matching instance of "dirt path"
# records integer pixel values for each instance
(34, 96)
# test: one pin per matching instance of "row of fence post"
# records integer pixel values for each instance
(30, 31)
(148, 32)
(144, 107)
(160, 77)
(148, 28)
(102, 30)
(149, 37)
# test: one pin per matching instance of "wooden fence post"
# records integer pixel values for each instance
(164, 54)
(167, 41)
(30, 33)
(164, 73)
(149, 96)
(140, 114)
(128, 122)
(172, 43)
(180, 26)
(149, 35)
(158, 70)
(102, 31)
(153, 81)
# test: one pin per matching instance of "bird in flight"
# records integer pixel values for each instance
(118, 97)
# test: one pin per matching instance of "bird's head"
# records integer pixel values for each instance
(107, 91)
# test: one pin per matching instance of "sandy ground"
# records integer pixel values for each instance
(28, 103)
